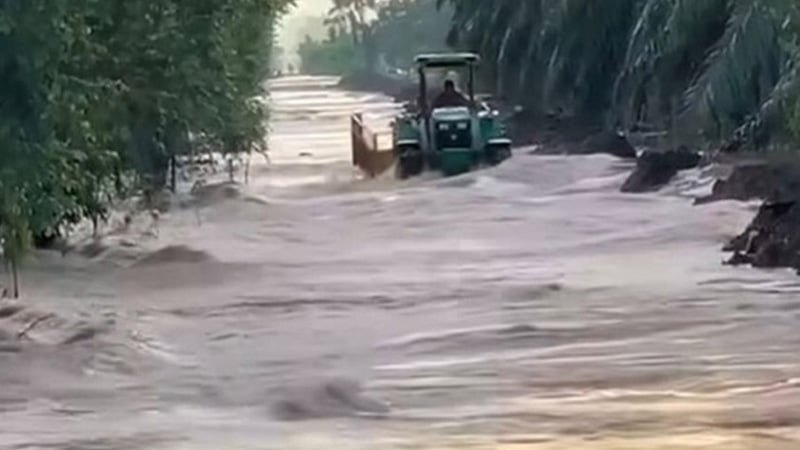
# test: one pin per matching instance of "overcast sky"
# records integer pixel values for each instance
(311, 6)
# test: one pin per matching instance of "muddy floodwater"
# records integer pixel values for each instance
(528, 306)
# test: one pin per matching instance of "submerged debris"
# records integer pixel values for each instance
(331, 398)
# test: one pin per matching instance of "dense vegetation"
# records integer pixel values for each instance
(370, 35)
(719, 68)
(96, 95)
(334, 56)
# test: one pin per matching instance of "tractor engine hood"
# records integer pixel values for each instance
(450, 114)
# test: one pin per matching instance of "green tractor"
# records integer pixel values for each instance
(451, 139)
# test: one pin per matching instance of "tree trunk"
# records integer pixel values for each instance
(368, 46)
(4, 288)
(354, 28)
(151, 156)
(14, 279)
(673, 126)
(95, 226)
(247, 170)
(173, 182)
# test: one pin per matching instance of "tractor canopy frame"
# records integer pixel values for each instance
(445, 60)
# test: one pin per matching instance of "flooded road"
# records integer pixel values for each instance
(529, 306)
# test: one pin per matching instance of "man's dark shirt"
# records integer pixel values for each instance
(450, 99)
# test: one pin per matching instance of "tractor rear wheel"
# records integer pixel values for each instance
(409, 162)
(496, 154)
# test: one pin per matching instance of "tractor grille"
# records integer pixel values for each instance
(454, 134)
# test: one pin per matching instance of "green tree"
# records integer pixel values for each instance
(405, 28)
(97, 92)
(353, 18)
(717, 66)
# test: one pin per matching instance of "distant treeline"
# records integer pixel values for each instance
(369, 35)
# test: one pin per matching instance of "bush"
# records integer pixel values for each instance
(336, 56)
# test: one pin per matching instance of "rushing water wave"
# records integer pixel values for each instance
(528, 306)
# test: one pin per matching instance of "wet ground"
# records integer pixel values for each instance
(528, 306)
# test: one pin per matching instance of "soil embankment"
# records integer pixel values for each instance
(772, 239)
(655, 169)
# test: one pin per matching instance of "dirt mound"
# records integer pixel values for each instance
(174, 254)
(757, 179)
(772, 239)
(211, 194)
(93, 249)
(655, 169)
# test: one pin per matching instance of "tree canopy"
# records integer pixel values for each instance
(374, 35)
(723, 66)
(96, 92)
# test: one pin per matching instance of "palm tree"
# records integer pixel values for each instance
(354, 17)
(723, 66)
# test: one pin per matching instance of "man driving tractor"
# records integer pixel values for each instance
(450, 97)
(450, 131)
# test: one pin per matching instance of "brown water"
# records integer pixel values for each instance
(530, 306)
